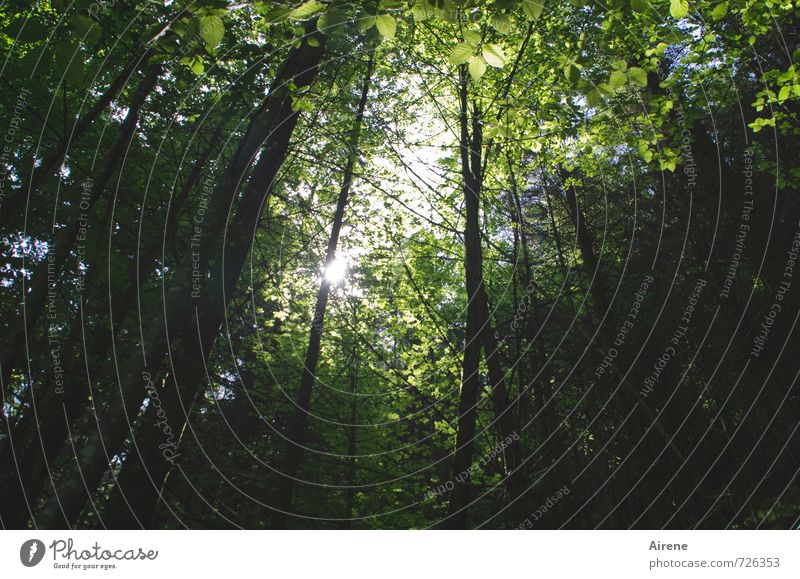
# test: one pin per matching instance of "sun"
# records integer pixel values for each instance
(336, 271)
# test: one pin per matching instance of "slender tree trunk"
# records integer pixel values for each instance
(503, 406)
(191, 325)
(479, 330)
(532, 324)
(591, 264)
(473, 267)
(299, 424)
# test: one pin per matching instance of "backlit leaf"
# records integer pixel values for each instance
(387, 26)
(477, 67)
(461, 53)
(637, 76)
(679, 8)
(494, 55)
(533, 8)
(211, 30)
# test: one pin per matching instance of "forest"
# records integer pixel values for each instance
(399, 264)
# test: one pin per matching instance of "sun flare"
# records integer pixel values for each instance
(336, 271)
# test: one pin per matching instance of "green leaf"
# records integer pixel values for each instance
(422, 11)
(640, 5)
(594, 98)
(788, 75)
(306, 10)
(211, 30)
(637, 76)
(606, 89)
(279, 14)
(762, 122)
(461, 53)
(667, 165)
(331, 21)
(572, 72)
(720, 11)
(366, 22)
(477, 67)
(194, 63)
(501, 23)
(679, 8)
(302, 104)
(618, 79)
(472, 37)
(533, 8)
(644, 151)
(387, 26)
(494, 55)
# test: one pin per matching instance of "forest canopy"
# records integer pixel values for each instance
(399, 264)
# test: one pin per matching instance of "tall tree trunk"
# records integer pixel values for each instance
(190, 325)
(25, 473)
(498, 391)
(479, 332)
(473, 267)
(532, 324)
(299, 424)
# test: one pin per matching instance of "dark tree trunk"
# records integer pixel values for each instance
(29, 461)
(299, 424)
(473, 268)
(479, 330)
